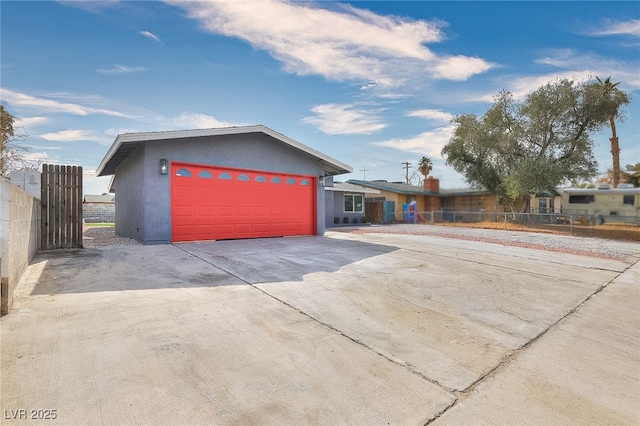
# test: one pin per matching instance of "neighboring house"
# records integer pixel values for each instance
(345, 202)
(223, 183)
(545, 202)
(470, 200)
(99, 208)
(426, 197)
(430, 197)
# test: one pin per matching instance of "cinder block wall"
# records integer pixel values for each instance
(99, 212)
(19, 238)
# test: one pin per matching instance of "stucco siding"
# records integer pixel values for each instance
(129, 197)
(247, 151)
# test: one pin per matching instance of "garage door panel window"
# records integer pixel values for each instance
(353, 203)
(291, 181)
(225, 176)
(205, 174)
(183, 173)
(304, 182)
(260, 179)
(276, 179)
(244, 178)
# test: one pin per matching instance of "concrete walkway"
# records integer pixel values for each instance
(344, 329)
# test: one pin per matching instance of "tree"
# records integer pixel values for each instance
(633, 174)
(425, 165)
(519, 147)
(13, 154)
(611, 100)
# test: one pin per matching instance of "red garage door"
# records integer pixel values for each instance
(213, 203)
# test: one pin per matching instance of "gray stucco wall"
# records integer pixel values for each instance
(129, 197)
(329, 206)
(249, 151)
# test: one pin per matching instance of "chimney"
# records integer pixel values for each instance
(432, 184)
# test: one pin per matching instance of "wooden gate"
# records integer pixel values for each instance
(61, 198)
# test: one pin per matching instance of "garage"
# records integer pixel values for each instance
(217, 184)
(214, 203)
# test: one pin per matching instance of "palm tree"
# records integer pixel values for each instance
(612, 99)
(425, 166)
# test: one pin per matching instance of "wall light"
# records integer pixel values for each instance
(321, 180)
(164, 167)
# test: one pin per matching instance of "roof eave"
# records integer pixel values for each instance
(331, 166)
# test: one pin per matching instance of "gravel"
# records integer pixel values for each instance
(594, 247)
(103, 236)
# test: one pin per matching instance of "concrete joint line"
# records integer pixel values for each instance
(407, 366)
(512, 355)
(479, 262)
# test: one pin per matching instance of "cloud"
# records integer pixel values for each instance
(612, 27)
(30, 121)
(344, 119)
(345, 43)
(53, 106)
(192, 120)
(121, 69)
(583, 66)
(431, 114)
(427, 143)
(76, 135)
(150, 35)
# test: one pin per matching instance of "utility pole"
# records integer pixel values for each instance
(364, 172)
(407, 166)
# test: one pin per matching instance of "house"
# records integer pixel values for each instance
(426, 197)
(221, 183)
(429, 197)
(344, 202)
(99, 208)
(545, 202)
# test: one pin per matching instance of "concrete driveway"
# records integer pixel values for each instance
(343, 329)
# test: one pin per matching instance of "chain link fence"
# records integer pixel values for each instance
(603, 226)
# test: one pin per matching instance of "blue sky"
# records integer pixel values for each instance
(372, 84)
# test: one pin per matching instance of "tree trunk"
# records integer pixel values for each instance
(615, 153)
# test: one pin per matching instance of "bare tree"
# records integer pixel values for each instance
(13, 152)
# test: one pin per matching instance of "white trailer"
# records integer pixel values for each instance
(603, 204)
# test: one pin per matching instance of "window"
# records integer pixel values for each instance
(304, 182)
(291, 181)
(244, 177)
(542, 205)
(276, 179)
(260, 178)
(224, 176)
(581, 199)
(183, 172)
(205, 174)
(628, 199)
(353, 203)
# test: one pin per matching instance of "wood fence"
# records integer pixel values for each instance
(61, 197)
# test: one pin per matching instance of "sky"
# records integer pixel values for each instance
(371, 84)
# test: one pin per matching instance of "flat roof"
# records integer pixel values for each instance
(125, 144)
(349, 187)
